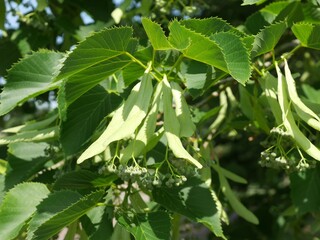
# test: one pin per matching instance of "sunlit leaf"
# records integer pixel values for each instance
(267, 38)
(156, 35)
(308, 34)
(17, 207)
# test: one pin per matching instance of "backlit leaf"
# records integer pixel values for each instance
(28, 78)
(156, 35)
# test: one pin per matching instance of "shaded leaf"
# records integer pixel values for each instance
(15, 210)
(237, 206)
(83, 81)
(147, 226)
(54, 203)
(28, 78)
(209, 26)
(194, 200)
(125, 120)
(86, 113)
(2, 14)
(82, 179)
(305, 192)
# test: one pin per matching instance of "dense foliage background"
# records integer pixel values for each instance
(53, 109)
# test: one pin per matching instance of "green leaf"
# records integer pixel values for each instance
(172, 126)
(156, 35)
(209, 26)
(31, 136)
(82, 179)
(252, 2)
(83, 81)
(97, 223)
(126, 119)
(33, 125)
(237, 206)
(311, 93)
(235, 55)
(120, 233)
(146, 130)
(187, 126)
(86, 113)
(305, 190)
(25, 160)
(54, 203)
(147, 226)
(194, 200)
(274, 12)
(96, 49)
(59, 210)
(28, 78)
(196, 76)
(252, 109)
(17, 207)
(196, 46)
(93, 60)
(308, 34)
(267, 38)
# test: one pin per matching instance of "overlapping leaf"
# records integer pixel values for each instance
(25, 160)
(94, 59)
(15, 210)
(305, 190)
(59, 210)
(126, 118)
(31, 136)
(86, 113)
(28, 78)
(223, 50)
(308, 34)
(156, 35)
(194, 200)
(267, 38)
(147, 226)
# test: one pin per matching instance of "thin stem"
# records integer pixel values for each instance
(144, 66)
(176, 64)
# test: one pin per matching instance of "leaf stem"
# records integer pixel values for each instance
(144, 66)
(176, 64)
